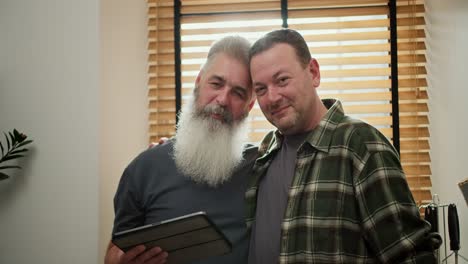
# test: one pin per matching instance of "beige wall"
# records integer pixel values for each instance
(73, 77)
(447, 39)
(123, 109)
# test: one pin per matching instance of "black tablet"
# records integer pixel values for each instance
(186, 238)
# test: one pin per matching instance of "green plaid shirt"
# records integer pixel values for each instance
(349, 201)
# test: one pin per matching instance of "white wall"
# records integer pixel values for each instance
(72, 77)
(49, 90)
(447, 39)
(124, 103)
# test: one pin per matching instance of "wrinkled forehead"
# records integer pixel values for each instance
(233, 71)
(222, 62)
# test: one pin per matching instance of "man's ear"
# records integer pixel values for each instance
(314, 68)
(197, 80)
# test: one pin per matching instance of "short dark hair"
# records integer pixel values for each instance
(286, 36)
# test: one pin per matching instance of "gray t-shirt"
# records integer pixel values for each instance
(151, 190)
(272, 200)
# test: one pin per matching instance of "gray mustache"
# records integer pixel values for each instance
(218, 110)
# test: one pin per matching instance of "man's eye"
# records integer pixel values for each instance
(283, 81)
(260, 91)
(215, 84)
(239, 94)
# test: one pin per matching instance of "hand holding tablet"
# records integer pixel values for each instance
(186, 238)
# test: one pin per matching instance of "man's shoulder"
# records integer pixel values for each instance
(350, 125)
(357, 134)
(154, 155)
(151, 165)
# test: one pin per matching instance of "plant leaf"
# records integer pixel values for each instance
(13, 139)
(18, 151)
(10, 157)
(17, 134)
(3, 176)
(8, 141)
(24, 143)
(9, 167)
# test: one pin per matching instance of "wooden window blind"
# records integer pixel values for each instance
(351, 44)
(413, 98)
(351, 40)
(161, 63)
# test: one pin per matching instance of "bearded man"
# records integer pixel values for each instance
(203, 168)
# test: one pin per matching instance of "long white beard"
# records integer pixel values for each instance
(207, 150)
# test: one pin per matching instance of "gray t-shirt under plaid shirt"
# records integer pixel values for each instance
(272, 201)
(349, 201)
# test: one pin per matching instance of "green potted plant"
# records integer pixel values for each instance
(13, 149)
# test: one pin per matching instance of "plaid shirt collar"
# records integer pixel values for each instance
(319, 139)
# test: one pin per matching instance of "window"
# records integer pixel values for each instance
(352, 41)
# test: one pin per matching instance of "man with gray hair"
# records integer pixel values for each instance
(206, 162)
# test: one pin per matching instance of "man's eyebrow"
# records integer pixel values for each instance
(216, 77)
(258, 84)
(275, 76)
(240, 88)
(278, 73)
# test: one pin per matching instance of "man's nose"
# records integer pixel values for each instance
(273, 94)
(223, 97)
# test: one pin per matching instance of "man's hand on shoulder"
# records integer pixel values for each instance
(136, 255)
(160, 142)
